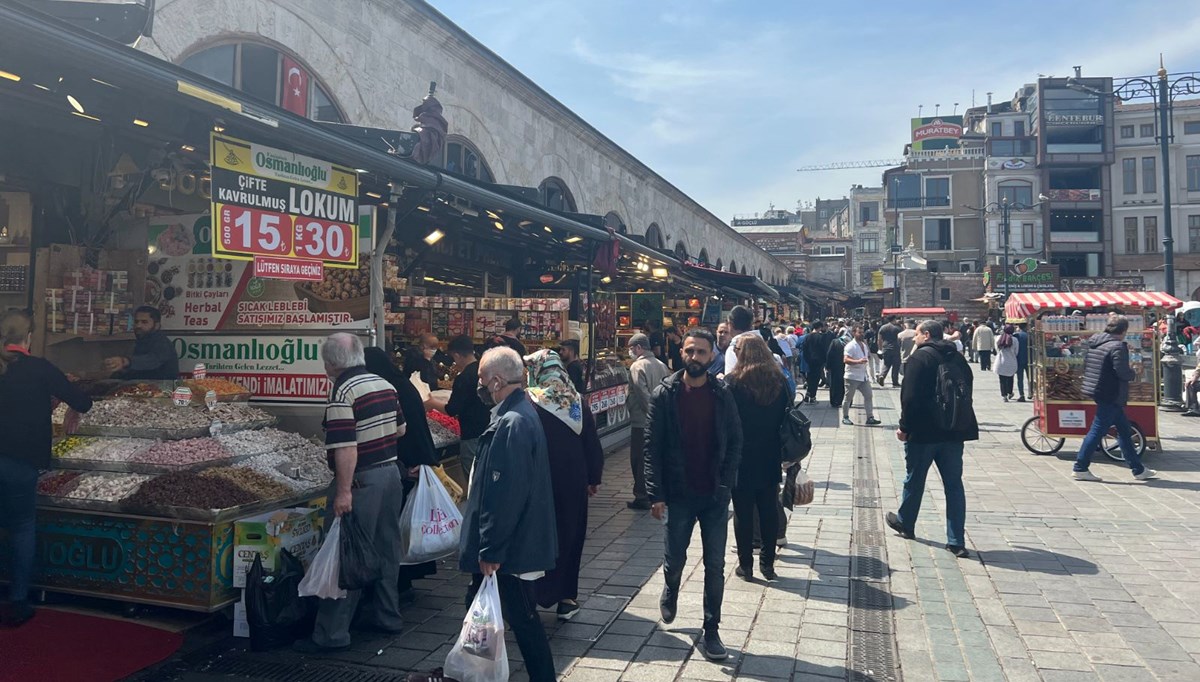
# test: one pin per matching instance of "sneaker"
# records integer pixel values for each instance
(1005, 398)
(435, 675)
(667, 605)
(871, 421)
(18, 613)
(567, 610)
(768, 572)
(640, 505)
(714, 648)
(1086, 475)
(893, 522)
(745, 573)
(1021, 399)
(307, 646)
(958, 551)
(1146, 475)
(847, 422)
(1190, 413)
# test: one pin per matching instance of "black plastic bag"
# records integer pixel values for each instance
(360, 562)
(788, 495)
(275, 611)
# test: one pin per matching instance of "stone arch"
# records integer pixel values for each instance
(743, 269)
(613, 220)
(703, 256)
(732, 265)
(554, 194)
(470, 160)
(681, 251)
(654, 237)
(719, 265)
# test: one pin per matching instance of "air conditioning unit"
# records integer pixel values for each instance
(966, 266)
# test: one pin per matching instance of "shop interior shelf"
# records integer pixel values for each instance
(59, 337)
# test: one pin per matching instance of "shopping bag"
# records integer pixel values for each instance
(806, 490)
(479, 655)
(275, 611)
(322, 577)
(430, 522)
(798, 488)
(359, 562)
(452, 487)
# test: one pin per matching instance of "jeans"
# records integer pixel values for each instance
(863, 387)
(948, 457)
(637, 462)
(468, 450)
(1107, 415)
(1022, 371)
(746, 501)
(985, 360)
(713, 516)
(18, 498)
(891, 362)
(519, 607)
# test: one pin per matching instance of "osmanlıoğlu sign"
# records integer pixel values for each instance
(276, 368)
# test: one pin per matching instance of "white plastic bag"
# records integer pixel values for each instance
(805, 489)
(479, 654)
(423, 388)
(430, 523)
(322, 577)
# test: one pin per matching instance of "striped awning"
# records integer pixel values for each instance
(1024, 306)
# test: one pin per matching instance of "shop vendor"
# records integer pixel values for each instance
(153, 357)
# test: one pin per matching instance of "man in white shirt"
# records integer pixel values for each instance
(857, 356)
(741, 321)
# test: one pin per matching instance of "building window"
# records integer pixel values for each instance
(1027, 235)
(869, 244)
(1131, 235)
(939, 235)
(826, 251)
(1191, 127)
(555, 196)
(1016, 192)
(1146, 130)
(997, 129)
(1018, 128)
(1194, 233)
(1193, 173)
(868, 212)
(263, 72)
(1151, 224)
(937, 191)
(1126, 132)
(944, 294)
(681, 251)
(1149, 178)
(654, 238)
(839, 249)
(1129, 176)
(463, 158)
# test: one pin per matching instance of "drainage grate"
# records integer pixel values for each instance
(300, 671)
(868, 564)
(866, 502)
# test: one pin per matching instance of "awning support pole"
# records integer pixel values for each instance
(591, 313)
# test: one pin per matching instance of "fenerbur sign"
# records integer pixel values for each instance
(291, 214)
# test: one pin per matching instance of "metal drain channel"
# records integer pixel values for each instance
(872, 656)
(297, 671)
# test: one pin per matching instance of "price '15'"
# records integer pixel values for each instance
(247, 230)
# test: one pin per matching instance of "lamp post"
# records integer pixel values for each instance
(1005, 208)
(895, 246)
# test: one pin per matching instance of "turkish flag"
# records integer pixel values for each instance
(294, 87)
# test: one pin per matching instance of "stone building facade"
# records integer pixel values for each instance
(375, 60)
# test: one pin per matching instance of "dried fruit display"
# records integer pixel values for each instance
(189, 489)
(233, 413)
(66, 445)
(224, 388)
(442, 436)
(108, 449)
(127, 413)
(57, 483)
(445, 420)
(183, 452)
(105, 487)
(274, 465)
(263, 487)
(139, 390)
(341, 284)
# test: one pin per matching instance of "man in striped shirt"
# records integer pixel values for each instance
(362, 422)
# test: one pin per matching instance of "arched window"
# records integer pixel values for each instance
(554, 195)
(464, 158)
(719, 267)
(681, 251)
(733, 266)
(743, 269)
(1015, 192)
(654, 238)
(703, 256)
(268, 74)
(613, 221)
(760, 273)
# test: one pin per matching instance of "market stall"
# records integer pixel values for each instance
(1060, 324)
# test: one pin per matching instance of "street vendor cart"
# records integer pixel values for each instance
(1059, 326)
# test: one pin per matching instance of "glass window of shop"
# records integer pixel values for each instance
(1077, 264)
(1076, 226)
(1027, 235)
(1194, 233)
(257, 70)
(1074, 121)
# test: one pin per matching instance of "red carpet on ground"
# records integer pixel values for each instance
(57, 646)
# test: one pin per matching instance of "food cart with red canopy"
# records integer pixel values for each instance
(1060, 323)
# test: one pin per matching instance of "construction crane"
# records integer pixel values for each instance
(842, 165)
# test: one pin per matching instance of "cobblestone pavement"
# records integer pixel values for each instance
(1068, 580)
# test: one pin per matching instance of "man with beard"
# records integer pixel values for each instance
(693, 450)
(153, 357)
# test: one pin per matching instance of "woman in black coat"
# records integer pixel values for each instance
(414, 448)
(762, 397)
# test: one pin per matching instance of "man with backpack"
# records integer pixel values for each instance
(936, 418)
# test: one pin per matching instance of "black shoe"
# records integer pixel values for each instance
(307, 646)
(745, 573)
(640, 505)
(667, 605)
(1190, 413)
(768, 572)
(1021, 399)
(893, 522)
(871, 421)
(714, 648)
(567, 610)
(958, 551)
(18, 614)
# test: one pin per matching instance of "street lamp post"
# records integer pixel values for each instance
(1005, 208)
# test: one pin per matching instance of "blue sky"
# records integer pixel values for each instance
(726, 99)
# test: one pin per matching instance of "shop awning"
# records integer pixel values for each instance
(732, 280)
(914, 311)
(1024, 306)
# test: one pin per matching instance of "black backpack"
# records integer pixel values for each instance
(952, 393)
(795, 434)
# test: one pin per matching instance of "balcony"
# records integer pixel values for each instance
(975, 152)
(918, 202)
(1012, 147)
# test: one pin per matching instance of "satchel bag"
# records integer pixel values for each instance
(795, 434)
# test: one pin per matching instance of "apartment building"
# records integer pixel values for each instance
(933, 200)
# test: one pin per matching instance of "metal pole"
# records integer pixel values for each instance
(1172, 354)
(1004, 209)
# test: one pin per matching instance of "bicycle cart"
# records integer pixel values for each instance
(1059, 326)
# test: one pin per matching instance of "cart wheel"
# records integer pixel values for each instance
(1112, 447)
(1038, 442)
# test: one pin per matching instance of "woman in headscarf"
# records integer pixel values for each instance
(414, 448)
(576, 463)
(1007, 346)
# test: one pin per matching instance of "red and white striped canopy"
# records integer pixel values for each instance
(1024, 306)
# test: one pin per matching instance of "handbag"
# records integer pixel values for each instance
(795, 434)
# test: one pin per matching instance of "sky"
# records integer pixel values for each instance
(725, 99)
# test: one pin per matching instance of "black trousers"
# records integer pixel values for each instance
(519, 606)
(891, 363)
(985, 360)
(837, 386)
(1006, 385)
(747, 501)
(815, 372)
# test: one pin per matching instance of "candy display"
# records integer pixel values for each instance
(309, 463)
(263, 487)
(105, 487)
(274, 465)
(139, 390)
(232, 413)
(442, 436)
(245, 443)
(128, 413)
(445, 420)
(183, 452)
(57, 483)
(224, 388)
(189, 489)
(66, 445)
(107, 449)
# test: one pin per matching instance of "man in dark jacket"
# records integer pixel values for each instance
(889, 343)
(926, 442)
(1106, 377)
(693, 450)
(153, 356)
(509, 528)
(815, 350)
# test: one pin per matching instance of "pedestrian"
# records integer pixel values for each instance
(935, 421)
(1190, 390)
(362, 423)
(984, 342)
(741, 321)
(762, 398)
(717, 368)
(907, 343)
(802, 361)
(508, 527)
(576, 465)
(568, 352)
(645, 375)
(674, 358)
(464, 403)
(413, 449)
(816, 349)
(856, 357)
(421, 360)
(1106, 377)
(512, 335)
(968, 336)
(889, 343)
(1022, 338)
(871, 335)
(693, 451)
(658, 340)
(1006, 360)
(835, 370)
(28, 388)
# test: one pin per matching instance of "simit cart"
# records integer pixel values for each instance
(1059, 326)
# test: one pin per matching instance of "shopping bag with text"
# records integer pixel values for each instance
(430, 522)
(322, 577)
